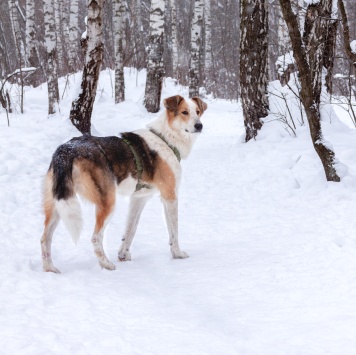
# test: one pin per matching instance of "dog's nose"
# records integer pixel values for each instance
(198, 126)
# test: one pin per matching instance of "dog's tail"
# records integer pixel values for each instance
(65, 199)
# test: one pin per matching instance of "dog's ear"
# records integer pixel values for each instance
(201, 104)
(171, 103)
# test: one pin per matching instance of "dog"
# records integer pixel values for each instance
(137, 163)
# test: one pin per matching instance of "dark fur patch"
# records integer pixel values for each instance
(201, 104)
(148, 156)
(110, 154)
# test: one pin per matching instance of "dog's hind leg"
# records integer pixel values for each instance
(171, 212)
(103, 213)
(51, 223)
(136, 207)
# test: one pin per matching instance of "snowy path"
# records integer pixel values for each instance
(272, 267)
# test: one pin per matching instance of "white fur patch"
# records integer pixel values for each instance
(70, 213)
(127, 186)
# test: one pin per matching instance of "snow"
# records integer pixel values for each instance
(353, 46)
(311, 2)
(284, 61)
(23, 70)
(272, 245)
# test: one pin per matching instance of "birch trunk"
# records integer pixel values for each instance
(309, 60)
(31, 41)
(254, 64)
(155, 69)
(174, 38)
(50, 44)
(59, 47)
(73, 36)
(208, 59)
(196, 48)
(16, 30)
(119, 13)
(65, 31)
(138, 16)
(283, 36)
(82, 107)
(139, 35)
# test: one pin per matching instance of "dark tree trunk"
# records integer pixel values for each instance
(310, 67)
(320, 31)
(254, 64)
(82, 107)
(346, 34)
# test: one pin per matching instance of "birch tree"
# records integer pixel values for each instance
(254, 64)
(155, 69)
(82, 107)
(59, 47)
(174, 37)
(16, 30)
(31, 40)
(208, 59)
(119, 13)
(309, 61)
(65, 27)
(196, 48)
(51, 54)
(73, 35)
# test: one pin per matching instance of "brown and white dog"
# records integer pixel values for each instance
(137, 164)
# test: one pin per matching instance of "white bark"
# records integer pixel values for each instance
(73, 35)
(16, 30)
(82, 107)
(58, 20)
(174, 36)
(155, 69)
(138, 15)
(207, 25)
(283, 36)
(196, 48)
(31, 42)
(65, 31)
(119, 13)
(50, 44)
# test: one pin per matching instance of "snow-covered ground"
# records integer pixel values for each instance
(272, 245)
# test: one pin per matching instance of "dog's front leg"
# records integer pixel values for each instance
(171, 212)
(136, 207)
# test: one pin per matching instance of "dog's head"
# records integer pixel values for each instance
(184, 114)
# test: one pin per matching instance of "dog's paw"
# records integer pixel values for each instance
(125, 256)
(51, 269)
(107, 265)
(180, 255)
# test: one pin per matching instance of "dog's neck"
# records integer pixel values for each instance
(180, 139)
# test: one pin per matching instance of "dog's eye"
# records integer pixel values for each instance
(185, 113)
(198, 112)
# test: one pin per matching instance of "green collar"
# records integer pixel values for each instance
(174, 149)
(139, 166)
